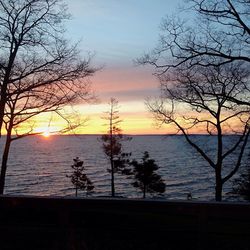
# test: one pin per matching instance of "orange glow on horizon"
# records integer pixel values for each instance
(136, 120)
(46, 134)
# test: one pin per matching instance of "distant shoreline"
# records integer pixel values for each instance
(167, 135)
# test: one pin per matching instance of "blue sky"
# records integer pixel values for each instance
(118, 31)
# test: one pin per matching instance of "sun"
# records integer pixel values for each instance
(46, 134)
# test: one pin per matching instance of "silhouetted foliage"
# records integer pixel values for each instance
(79, 179)
(112, 143)
(241, 185)
(146, 179)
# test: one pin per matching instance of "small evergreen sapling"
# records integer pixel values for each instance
(145, 177)
(79, 179)
(241, 185)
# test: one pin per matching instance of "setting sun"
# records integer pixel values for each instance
(46, 134)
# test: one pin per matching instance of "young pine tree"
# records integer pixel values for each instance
(146, 179)
(241, 185)
(79, 179)
(112, 143)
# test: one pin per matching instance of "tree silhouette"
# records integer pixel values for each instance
(112, 143)
(79, 179)
(218, 34)
(40, 71)
(200, 100)
(241, 185)
(203, 66)
(146, 179)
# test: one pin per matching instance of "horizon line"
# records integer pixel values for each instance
(128, 134)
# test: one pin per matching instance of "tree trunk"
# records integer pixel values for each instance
(218, 168)
(2, 104)
(144, 192)
(4, 162)
(218, 194)
(218, 186)
(5, 85)
(111, 152)
(112, 178)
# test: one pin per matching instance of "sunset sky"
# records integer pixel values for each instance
(118, 32)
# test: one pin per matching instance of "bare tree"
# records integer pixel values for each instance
(200, 99)
(218, 34)
(112, 143)
(39, 70)
(34, 53)
(192, 52)
(21, 109)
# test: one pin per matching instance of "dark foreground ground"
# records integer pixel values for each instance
(93, 224)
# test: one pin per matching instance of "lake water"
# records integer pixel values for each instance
(38, 166)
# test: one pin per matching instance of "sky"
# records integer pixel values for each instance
(117, 32)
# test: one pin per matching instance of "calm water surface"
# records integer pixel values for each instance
(39, 166)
